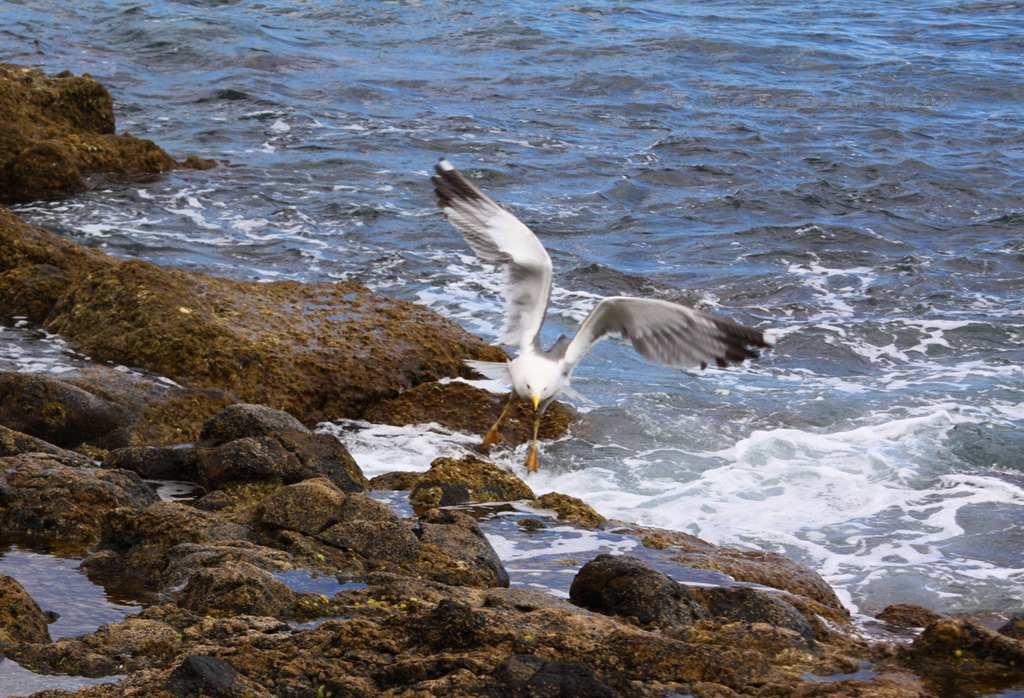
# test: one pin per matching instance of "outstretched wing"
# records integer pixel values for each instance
(667, 333)
(498, 237)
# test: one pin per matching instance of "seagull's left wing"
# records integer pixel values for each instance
(498, 237)
(667, 333)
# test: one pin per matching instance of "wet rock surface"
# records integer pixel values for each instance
(570, 509)
(904, 615)
(462, 407)
(14, 443)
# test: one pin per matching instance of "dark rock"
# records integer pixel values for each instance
(905, 615)
(531, 524)
(49, 502)
(570, 509)
(532, 677)
(450, 482)
(465, 408)
(205, 676)
(399, 480)
(287, 456)
(21, 619)
(242, 420)
(455, 551)
(376, 541)
(60, 413)
(237, 588)
(59, 129)
(308, 507)
(625, 586)
(14, 443)
(155, 462)
(1014, 627)
(751, 606)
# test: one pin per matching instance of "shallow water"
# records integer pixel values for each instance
(847, 174)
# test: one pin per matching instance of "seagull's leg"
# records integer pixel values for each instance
(493, 435)
(532, 462)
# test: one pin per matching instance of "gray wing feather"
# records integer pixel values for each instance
(666, 333)
(496, 236)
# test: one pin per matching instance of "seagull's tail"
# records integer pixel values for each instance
(493, 370)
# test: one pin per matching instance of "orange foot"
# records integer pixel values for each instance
(532, 463)
(492, 437)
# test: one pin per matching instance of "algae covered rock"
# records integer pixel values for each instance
(463, 407)
(237, 588)
(46, 501)
(58, 129)
(154, 462)
(450, 482)
(58, 412)
(21, 619)
(454, 550)
(624, 586)
(1014, 627)
(960, 652)
(570, 509)
(308, 507)
(739, 603)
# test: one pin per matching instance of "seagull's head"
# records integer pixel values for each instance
(537, 380)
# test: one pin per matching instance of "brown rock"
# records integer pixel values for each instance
(450, 482)
(58, 130)
(960, 652)
(465, 408)
(906, 615)
(155, 462)
(455, 551)
(50, 409)
(14, 443)
(21, 619)
(399, 480)
(43, 500)
(749, 605)
(242, 420)
(1014, 627)
(289, 456)
(376, 541)
(237, 588)
(570, 509)
(624, 586)
(308, 507)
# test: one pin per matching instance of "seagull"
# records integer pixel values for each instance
(663, 332)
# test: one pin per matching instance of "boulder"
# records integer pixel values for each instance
(237, 588)
(455, 551)
(203, 675)
(58, 130)
(58, 412)
(622, 585)
(287, 456)
(570, 509)
(960, 652)
(21, 619)
(527, 676)
(242, 420)
(1014, 627)
(308, 507)
(906, 615)
(450, 482)
(462, 407)
(155, 462)
(398, 480)
(748, 605)
(14, 443)
(48, 502)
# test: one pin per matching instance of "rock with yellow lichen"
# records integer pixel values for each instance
(468, 480)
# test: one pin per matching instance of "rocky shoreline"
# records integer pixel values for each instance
(228, 382)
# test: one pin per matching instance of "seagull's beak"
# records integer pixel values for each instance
(535, 398)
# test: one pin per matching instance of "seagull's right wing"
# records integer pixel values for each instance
(498, 237)
(667, 333)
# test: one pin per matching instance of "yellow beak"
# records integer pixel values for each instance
(536, 401)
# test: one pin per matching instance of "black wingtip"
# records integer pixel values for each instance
(451, 185)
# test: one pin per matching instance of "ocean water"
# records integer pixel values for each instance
(850, 175)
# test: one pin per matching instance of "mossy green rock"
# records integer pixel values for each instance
(21, 619)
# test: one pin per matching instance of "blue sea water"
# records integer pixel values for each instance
(848, 174)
